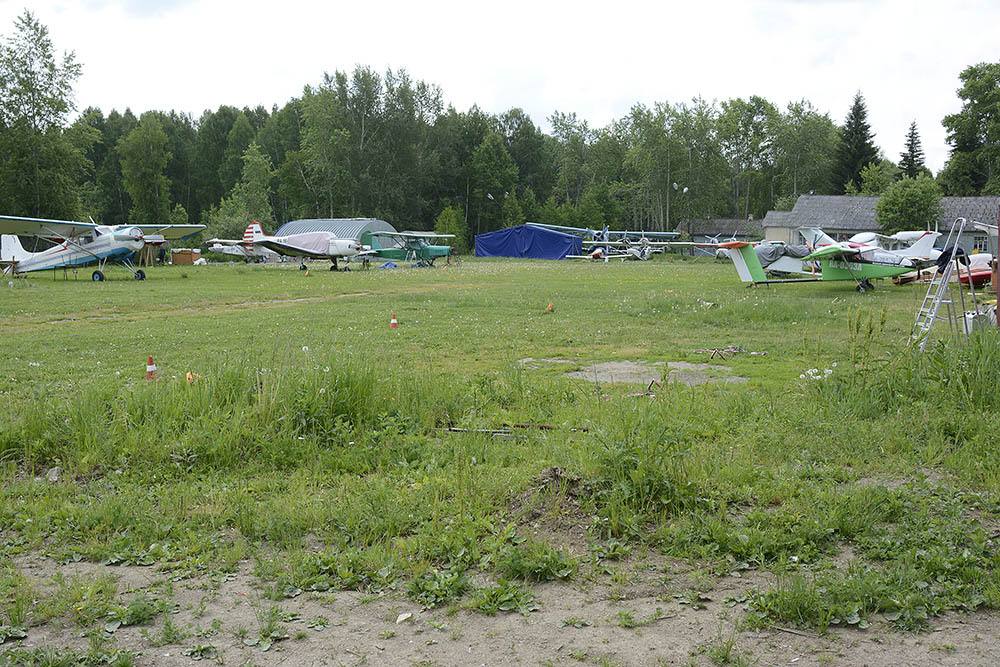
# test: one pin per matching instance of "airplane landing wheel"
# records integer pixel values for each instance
(333, 268)
(302, 267)
(868, 285)
(97, 277)
(860, 287)
(140, 275)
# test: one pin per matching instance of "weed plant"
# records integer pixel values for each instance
(506, 596)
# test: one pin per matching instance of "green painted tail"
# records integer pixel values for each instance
(747, 264)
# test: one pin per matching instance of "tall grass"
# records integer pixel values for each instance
(237, 414)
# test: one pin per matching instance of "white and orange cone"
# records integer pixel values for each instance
(393, 324)
(150, 369)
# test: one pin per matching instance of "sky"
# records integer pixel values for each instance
(596, 59)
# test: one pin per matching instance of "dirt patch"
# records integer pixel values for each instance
(931, 477)
(531, 362)
(551, 509)
(639, 372)
(645, 612)
(692, 374)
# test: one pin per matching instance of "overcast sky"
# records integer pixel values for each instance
(593, 58)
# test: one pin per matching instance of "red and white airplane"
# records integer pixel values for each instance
(314, 245)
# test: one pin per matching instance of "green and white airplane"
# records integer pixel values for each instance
(859, 262)
(410, 246)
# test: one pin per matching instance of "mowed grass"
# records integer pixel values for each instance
(310, 437)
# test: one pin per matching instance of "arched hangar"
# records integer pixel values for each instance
(359, 229)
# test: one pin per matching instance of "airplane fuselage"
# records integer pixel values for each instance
(316, 245)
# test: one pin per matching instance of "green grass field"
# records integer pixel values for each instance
(311, 439)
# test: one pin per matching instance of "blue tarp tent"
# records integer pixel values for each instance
(528, 241)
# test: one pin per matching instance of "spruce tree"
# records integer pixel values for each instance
(911, 161)
(856, 149)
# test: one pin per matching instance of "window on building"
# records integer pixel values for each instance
(980, 243)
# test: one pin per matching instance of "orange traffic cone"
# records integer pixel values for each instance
(150, 369)
(550, 308)
(393, 324)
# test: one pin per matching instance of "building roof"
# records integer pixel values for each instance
(724, 227)
(776, 219)
(857, 214)
(344, 228)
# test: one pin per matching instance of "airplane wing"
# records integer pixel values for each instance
(315, 251)
(563, 228)
(631, 234)
(42, 228)
(415, 235)
(154, 233)
(229, 249)
(835, 251)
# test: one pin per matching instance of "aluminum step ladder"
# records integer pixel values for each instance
(940, 292)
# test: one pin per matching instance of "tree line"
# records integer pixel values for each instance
(370, 144)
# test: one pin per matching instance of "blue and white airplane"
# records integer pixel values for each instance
(81, 244)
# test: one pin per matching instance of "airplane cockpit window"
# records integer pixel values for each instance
(866, 256)
(85, 239)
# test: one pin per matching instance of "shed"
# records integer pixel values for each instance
(528, 241)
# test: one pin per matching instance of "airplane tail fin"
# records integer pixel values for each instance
(747, 263)
(371, 240)
(11, 249)
(923, 246)
(253, 232)
(815, 237)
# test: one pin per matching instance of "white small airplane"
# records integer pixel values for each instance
(314, 245)
(921, 244)
(81, 244)
(257, 255)
(246, 250)
(899, 241)
(641, 249)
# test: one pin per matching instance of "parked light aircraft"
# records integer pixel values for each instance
(641, 250)
(81, 244)
(248, 255)
(315, 245)
(412, 247)
(606, 244)
(245, 250)
(898, 241)
(838, 260)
